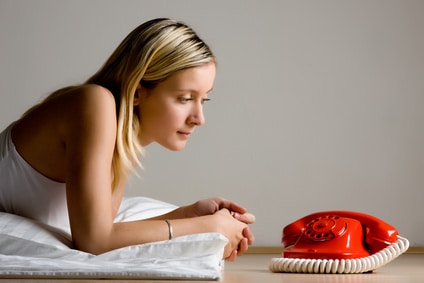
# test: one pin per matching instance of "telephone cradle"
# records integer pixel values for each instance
(338, 242)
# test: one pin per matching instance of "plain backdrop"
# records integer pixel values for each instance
(317, 105)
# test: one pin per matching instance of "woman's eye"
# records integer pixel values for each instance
(188, 99)
(185, 99)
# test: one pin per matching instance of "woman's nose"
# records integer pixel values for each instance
(197, 118)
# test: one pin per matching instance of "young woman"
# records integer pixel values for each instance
(66, 161)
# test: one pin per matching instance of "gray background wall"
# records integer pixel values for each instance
(317, 105)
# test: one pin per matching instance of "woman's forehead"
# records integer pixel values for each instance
(196, 79)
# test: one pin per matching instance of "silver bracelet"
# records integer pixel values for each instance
(171, 232)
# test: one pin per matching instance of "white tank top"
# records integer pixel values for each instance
(26, 192)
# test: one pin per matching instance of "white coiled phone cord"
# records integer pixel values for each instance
(357, 265)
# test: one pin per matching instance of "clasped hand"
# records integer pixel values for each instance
(237, 232)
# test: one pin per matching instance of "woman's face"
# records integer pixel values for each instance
(170, 111)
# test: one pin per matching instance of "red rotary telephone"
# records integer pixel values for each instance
(338, 242)
(336, 235)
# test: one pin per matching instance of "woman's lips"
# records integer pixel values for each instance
(185, 134)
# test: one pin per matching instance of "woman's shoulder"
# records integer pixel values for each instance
(73, 96)
(89, 93)
(94, 89)
(78, 101)
(72, 106)
(88, 102)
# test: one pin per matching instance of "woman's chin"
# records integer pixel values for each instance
(175, 147)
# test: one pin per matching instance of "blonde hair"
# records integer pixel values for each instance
(151, 53)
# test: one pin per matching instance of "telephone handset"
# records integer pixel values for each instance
(337, 235)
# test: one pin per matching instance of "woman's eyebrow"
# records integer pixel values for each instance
(191, 90)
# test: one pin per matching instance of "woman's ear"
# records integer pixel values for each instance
(140, 93)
